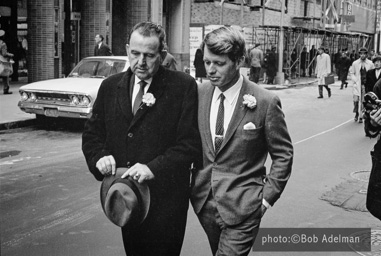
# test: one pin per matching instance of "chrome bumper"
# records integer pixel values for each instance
(54, 110)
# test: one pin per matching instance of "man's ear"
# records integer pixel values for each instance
(163, 54)
(127, 48)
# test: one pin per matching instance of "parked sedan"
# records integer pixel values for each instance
(73, 96)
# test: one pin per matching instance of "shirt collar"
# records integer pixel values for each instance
(231, 93)
(148, 81)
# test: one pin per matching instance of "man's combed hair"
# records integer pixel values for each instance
(148, 29)
(225, 40)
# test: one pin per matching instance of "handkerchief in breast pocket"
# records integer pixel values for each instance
(249, 126)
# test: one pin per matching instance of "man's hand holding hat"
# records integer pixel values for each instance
(106, 165)
(139, 172)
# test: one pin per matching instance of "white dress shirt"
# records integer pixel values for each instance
(231, 96)
(137, 88)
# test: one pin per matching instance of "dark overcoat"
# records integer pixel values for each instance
(164, 137)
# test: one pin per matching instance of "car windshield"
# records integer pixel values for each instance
(98, 68)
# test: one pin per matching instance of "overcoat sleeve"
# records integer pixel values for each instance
(94, 137)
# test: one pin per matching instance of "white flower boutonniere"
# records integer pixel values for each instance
(249, 101)
(149, 99)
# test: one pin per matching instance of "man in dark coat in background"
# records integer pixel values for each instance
(100, 48)
(373, 75)
(344, 65)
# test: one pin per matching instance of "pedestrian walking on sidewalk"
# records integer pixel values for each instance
(240, 124)
(323, 69)
(256, 61)
(358, 76)
(6, 63)
(344, 65)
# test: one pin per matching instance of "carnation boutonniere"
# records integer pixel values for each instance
(149, 99)
(249, 101)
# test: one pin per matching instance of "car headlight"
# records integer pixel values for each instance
(85, 101)
(75, 100)
(32, 97)
(24, 96)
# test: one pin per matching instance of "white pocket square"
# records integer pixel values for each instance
(249, 126)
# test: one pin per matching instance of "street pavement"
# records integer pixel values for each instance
(12, 117)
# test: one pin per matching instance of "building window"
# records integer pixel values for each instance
(305, 9)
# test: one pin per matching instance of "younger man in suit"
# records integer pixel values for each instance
(240, 124)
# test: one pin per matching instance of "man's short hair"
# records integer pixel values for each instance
(148, 29)
(101, 37)
(225, 40)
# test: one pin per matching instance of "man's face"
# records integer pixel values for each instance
(221, 70)
(144, 55)
(97, 39)
(363, 55)
(377, 64)
(320, 51)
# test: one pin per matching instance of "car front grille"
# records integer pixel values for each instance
(53, 97)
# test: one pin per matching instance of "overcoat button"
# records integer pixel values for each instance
(130, 135)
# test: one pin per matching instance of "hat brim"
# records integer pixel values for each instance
(143, 189)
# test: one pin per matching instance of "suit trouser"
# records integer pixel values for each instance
(224, 239)
(162, 232)
(373, 200)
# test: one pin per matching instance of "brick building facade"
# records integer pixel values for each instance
(61, 32)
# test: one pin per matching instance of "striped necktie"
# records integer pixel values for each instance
(220, 124)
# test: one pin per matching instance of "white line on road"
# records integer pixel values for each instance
(321, 133)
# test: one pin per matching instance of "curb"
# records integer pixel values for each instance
(17, 124)
(282, 87)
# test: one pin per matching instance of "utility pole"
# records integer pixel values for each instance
(279, 79)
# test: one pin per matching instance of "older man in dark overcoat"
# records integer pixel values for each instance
(156, 139)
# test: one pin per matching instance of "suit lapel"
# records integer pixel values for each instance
(123, 96)
(156, 89)
(238, 114)
(204, 115)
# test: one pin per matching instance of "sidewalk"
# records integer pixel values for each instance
(10, 114)
(12, 117)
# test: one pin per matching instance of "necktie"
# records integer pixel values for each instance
(219, 124)
(139, 96)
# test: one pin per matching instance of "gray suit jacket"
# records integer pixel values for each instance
(236, 173)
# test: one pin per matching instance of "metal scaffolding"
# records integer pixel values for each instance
(296, 38)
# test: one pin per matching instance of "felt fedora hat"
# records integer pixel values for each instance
(124, 201)
(363, 49)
